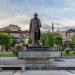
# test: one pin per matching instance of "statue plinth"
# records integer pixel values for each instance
(38, 56)
(35, 48)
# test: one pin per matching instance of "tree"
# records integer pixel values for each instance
(47, 38)
(29, 40)
(73, 41)
(50, 39)
(5, 40)
(17, 49)
(43, 38)
(14, 42)
(59, 41)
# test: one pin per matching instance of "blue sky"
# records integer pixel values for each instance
(61, 12)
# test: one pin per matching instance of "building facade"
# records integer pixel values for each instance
(16, 32)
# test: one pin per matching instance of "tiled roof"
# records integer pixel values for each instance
(23, 32)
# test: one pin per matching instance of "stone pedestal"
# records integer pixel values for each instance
(37, 61)
(38, 57)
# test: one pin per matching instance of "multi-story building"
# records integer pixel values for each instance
(67, 35)
(63, 34)
(11, 27)
(16, 32)
(70, 33)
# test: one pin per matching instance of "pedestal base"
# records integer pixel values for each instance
(39, 57)
(37, 61)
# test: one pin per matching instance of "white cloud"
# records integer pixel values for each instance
(22, 21)
(21, 16)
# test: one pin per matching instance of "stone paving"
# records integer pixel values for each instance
(59, 62)
(65, 63)
(11, 61)
(33, 72)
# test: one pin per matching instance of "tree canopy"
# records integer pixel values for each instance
(73, 40)
(50, 39)
(6, 40)
(58, 40)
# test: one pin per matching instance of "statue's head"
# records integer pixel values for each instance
(35, 15)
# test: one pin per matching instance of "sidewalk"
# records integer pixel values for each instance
(62, 64)
(11, 61)
(49, 72)
(65, 62)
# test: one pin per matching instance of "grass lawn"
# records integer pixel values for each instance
(6, 54)
(71, 53)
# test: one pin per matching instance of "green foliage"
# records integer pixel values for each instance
(74, 52)
(29, 40)
(73, 41)
(58, 40)
(7, 54)
(17, 48)
(43, 38)
(6, 40)
(47, 38)
(67, 52)
(14, 42)
(50, 40)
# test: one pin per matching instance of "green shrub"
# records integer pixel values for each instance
(67, 52)
(17, 48)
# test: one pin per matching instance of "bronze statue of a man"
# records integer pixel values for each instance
(35, 25)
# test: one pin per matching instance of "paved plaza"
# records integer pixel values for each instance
(15, 61)
(65, 63)
(33, 72)
(11, 61)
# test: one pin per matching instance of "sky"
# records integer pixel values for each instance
(19, 12)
